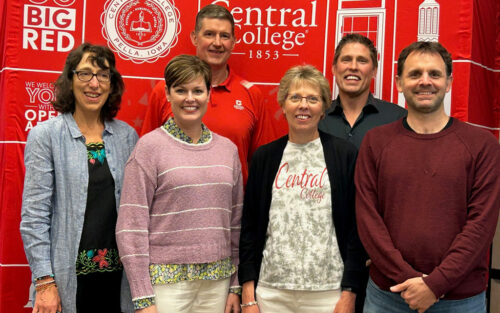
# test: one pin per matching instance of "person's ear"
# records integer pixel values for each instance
(399, 84)
(167, 93)
(194, 38)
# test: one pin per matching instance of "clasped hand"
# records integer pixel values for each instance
(416, 293)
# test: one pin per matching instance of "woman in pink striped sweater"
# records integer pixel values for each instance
(179, 219)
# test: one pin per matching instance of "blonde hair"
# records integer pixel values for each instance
(305, 74)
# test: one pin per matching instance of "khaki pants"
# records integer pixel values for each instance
(272, 300)
(198, 296)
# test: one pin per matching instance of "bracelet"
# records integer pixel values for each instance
(45, 283)
(248, 304)
(43, 277)
(45, 286)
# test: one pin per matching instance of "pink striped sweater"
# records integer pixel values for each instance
(181, 204)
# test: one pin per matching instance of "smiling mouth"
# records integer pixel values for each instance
(424, 94)
(92, 95)
(216, 51)
(302, 117)
(353, 77)
(190, 108)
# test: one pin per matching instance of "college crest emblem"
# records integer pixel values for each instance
(140, 30)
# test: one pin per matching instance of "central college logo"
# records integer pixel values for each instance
(140, 30)
(239, 105)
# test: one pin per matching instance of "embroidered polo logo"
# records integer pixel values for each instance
(239, 105)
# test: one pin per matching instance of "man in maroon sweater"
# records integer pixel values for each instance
(428, 197)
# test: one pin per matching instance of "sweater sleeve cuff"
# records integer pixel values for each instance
(405, 275)
(44, 269)
(246, 272)
(234, 279)
(352, 281)
(141, 289)
(437, 283)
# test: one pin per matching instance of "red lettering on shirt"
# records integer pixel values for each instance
(304, 180)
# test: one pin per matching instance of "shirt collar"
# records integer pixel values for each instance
(73, 128)
(171, 127)
(75, 131)
(370, 106)
(108, 127)
(226, 84)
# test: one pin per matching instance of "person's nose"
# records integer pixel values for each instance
(353, 65)
(425, 79)
(217, 41)
(190, 96)
(303, 104)
(94, 83)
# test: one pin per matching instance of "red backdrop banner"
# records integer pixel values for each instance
(36, 36)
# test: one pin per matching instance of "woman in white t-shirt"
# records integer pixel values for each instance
(298, 239)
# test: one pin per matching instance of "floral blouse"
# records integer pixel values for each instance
(98, 251)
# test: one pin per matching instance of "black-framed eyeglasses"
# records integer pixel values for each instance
(298, 98)
(86, 76)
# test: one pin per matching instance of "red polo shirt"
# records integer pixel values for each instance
(235, 110)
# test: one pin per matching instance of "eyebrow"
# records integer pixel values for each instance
(350, 56)
(436, 71)
(300, 95)
(88, 68)
(416, 71)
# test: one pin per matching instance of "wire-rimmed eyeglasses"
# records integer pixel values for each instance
(298, 98)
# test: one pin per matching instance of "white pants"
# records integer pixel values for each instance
(273, 300)
(198, 296)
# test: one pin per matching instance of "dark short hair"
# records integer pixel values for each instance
(185, 68)
(356, 38)
(213, 11)
(426, 47)
(305, 74)
(65, 99)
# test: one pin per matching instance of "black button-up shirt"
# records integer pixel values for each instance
(376, 112)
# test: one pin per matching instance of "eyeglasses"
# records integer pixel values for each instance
(86, 76)
(297, 98)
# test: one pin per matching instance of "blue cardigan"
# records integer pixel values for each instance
(340, 157)
(55, 197)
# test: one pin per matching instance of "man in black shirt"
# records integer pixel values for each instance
(355, 111)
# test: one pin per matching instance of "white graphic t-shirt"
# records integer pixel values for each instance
(301, 251)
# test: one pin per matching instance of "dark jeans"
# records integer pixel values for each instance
(380, 301)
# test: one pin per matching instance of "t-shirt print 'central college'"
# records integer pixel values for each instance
(301, 251)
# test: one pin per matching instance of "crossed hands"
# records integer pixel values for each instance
(416, 293)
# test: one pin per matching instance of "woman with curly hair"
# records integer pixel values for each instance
(74, 167)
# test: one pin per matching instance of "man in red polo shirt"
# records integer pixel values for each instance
(235, 108)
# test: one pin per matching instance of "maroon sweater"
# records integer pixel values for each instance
(428, 204)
